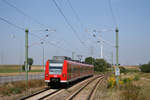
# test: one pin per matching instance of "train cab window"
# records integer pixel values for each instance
(55, 68)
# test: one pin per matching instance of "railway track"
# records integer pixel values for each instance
(58, 94)
(41, 94)
(91, 94)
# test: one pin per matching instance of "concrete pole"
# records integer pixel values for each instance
(26, 55)
(112, 58)
(43, 58)
(117, 48)
(42, 46)
(117, 56)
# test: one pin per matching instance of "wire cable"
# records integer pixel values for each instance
(20, 28)
(12, 24)
(67, 50)
(23, 13)
(112, 13)
(76, 15)
(66, 20)
(49, 42)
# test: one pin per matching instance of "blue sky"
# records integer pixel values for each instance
(132, 17)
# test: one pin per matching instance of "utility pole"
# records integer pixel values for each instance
(43, 58)
(117, 48)
(43, 55)
(112, 58)
(26, 56)
(117, 70)
(112, 63)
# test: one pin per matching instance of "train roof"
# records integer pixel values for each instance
(74, 62)
(60, 59)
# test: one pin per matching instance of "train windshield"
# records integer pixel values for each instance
(55, 68)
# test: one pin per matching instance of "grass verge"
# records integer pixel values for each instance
(19, 87)
(135, 86)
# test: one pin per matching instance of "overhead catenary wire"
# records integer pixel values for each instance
(67, 21)
(75, 13)
(41, 39)
(20, 28)
(78, 18)
(49, 42)
(23, 29)
(112, 13)
(53, 44)
(23, 13)
(12, 24)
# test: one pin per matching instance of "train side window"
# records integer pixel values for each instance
(69, 69)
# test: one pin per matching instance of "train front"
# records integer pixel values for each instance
(55, 72)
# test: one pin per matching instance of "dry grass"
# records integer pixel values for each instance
(138, 89)
(130, 92)
(132, 67)
(37, 67)
(145, 75)
(19, 87)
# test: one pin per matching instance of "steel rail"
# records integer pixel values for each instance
(39, 92)
(26, 97)
(79, 90)
(94, 88)
(49, 94)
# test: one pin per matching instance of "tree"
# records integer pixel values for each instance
(30, 62)
(145, 68)
(122, 70)
(109, 65)
(100, 65)
(89, 60)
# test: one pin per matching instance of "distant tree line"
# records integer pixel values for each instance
(145, 68)
(99, 64)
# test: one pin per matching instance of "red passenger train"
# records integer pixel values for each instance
(62, 69)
